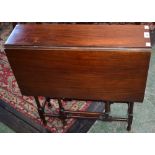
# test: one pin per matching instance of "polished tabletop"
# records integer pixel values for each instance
(79, 35)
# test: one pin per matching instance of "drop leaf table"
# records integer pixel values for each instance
(83, 61)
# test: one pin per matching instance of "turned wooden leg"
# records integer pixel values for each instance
(40, 110)
(107, 109)
(130, 115)
(61, 112)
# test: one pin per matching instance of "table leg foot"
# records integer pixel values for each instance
(130, 115)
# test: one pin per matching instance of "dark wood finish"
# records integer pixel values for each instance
(40, 110)
(104, 116)
(88, 75)
(89, 62)
(68, 35)
(107, 109)
(62, 115)
(130, 115)
(82, 125)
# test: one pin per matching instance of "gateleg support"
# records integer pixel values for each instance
(40, 110)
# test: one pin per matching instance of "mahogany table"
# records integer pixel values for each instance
(90, 62)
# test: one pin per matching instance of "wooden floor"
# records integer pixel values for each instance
(22, 124)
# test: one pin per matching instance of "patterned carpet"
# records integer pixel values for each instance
(10, 93)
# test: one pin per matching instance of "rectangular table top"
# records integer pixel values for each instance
(79, 35)
(83, 61)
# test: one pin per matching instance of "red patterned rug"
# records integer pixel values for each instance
(10, 93)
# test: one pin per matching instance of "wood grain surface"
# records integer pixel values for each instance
(115, 76)
(66, 35)
(90, 62)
